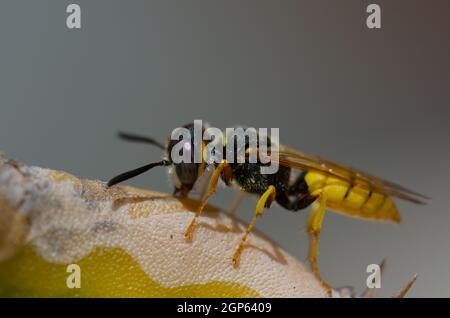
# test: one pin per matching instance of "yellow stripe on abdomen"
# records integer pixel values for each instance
(351, 200)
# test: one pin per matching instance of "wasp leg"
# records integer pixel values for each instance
(211, 190)
(313, 229)
(265, 200)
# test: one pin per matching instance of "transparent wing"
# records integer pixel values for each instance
(200, 187)
(296, 159)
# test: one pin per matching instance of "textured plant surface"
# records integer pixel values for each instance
(128, 242)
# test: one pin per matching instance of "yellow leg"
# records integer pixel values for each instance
(211, 190)
(313, 228)
(267, 197)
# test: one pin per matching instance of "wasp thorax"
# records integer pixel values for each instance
(195, 143)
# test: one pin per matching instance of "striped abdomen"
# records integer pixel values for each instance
(351, 200)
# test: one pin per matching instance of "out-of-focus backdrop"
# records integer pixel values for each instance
(375, 99)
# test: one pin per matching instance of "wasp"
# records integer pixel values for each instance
(302, 180)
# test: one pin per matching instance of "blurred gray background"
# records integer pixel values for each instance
(375, 99)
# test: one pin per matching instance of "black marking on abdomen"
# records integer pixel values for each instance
(349, 188)
(368, 197)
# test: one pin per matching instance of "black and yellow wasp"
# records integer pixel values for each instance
(318, 182)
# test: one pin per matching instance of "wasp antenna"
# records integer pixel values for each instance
(135, 172)
(142, 139)
(406, 288)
